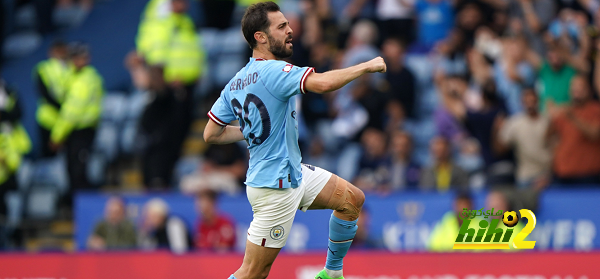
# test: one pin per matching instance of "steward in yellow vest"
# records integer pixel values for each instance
(14, 143)
(171, 42)
(79, 114)
(50, 77)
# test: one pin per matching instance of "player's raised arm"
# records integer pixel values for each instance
(217, 134)
(336, 79)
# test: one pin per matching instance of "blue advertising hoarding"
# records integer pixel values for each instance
(566, 219)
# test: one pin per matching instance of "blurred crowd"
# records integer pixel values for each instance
(159, 229)
(478, 94)
(512, 87)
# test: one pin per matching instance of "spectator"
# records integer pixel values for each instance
(171, 42)
(395, 117)
(317, 107)
(400, 81)
(80, 111)
(471, 161)
(479, 122)
(363, 240)
(370, 98)
(443, 174)
(360, 48)
(351, 117)
(404, 172)
(161, 230)
(224, 170)
(444, 233)
(156, 128)
(577, 152)
(160, 149)
(447, 116)
(513, 73)
(556, 71)
(526, 133)
(469, 17)
(567, 27)
(115, 232)
(215, 231)
(51, 77)
(435, 19)
(500, 199)
(530, 18)
(373, 165)
(451, 55)
(317, 155)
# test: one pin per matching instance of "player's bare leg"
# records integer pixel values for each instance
(257, 262)
(346, 200)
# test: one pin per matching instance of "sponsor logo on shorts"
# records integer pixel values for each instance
(312, 168)
(277, 232)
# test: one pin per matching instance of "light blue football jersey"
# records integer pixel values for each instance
(260, 98)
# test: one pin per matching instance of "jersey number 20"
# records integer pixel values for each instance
(243, 114)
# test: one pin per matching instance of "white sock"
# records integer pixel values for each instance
(334, 273)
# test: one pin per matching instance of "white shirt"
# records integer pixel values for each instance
(394, 9)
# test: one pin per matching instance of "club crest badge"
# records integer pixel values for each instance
(277, 232)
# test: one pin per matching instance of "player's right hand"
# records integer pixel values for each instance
(376, 65)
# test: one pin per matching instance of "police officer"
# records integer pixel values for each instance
(79, 113)
(50, 77)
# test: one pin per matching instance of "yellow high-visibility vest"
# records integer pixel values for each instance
(82, 105)
(173, 43)
(157, 9)
(20, 139)
(9, 155)
(54, 75)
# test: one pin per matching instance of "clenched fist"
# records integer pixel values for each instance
(376, 65)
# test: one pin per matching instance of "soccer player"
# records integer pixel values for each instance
(260, 97)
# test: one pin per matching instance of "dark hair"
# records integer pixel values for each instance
(459, 76)
(398, 40)
(444, 138)
(256, 19)
(208, 193)
(58, 44)
(77, 49)
(464, 196)
(529, 90)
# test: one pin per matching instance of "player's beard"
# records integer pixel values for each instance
(278, 48)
